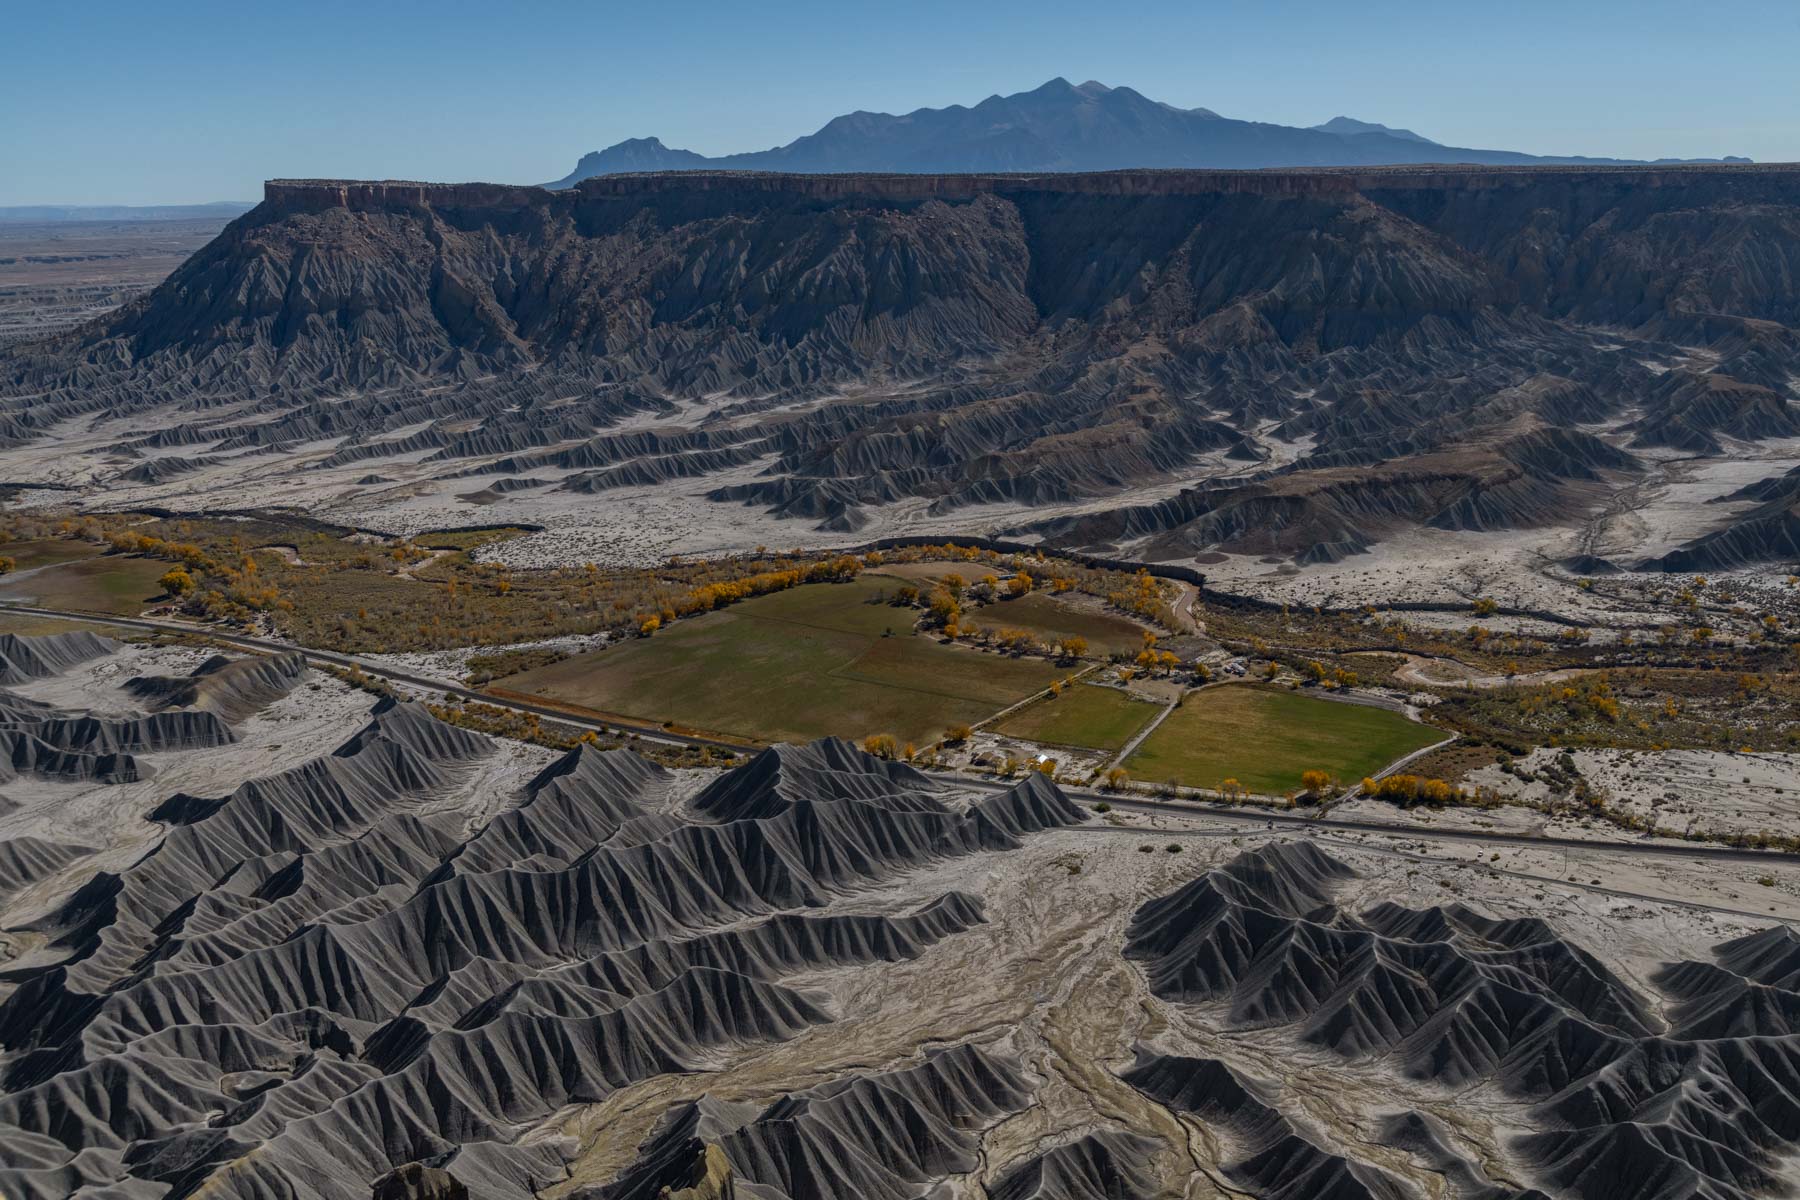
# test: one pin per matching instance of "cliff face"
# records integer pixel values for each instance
(1060, 334)
(743, 280)
(755, 281)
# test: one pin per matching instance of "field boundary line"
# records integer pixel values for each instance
(1042, 692)
(1130, 746)
(1355, 789)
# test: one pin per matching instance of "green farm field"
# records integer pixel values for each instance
(107, 583)
(795, 665)
(1051, 618)
(1264, 738)
(1094, 718)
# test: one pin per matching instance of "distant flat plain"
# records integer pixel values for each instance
(59, 274)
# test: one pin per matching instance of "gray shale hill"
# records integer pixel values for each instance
(336, 981)
(309, 983)
(1701, 1099)
(1368, 350)
(314, 987)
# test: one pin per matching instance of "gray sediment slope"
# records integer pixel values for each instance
(1702, 1100)
(400, 966)
(313, 980)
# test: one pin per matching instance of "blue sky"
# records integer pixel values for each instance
(175, 101)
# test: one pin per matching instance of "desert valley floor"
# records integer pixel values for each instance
(716, 685)
(271, 908)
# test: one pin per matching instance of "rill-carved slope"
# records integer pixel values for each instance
(1701, 1102)
(43, 741)
(332, 981)
(313, 980)
(1020, 339)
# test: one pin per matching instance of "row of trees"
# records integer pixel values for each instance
(357, 593)
(1409, 790)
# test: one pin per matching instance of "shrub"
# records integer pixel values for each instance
(1315, 782)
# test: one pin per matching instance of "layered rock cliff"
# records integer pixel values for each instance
(1008, 338)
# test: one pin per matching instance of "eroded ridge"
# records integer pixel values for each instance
(24, 658)
(46, 741)
(862, 1137)
(1296, 364)
(232, 688)
(1620, 1104)
(320, 977)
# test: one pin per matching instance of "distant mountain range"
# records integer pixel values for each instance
(44, 214)
(1064, 127)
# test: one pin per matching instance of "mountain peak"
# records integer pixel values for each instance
(1059, 126)
(1351, 127)
(629, 156)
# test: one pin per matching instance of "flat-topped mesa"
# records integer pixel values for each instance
(1069, 337)
(299, 195)
(371, 194)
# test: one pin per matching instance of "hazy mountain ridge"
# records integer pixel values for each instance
(1062, 127)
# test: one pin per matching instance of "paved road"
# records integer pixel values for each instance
(1491, 868)
(1275, 819)
(1271, 818)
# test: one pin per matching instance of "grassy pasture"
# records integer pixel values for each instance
(791, 666)
(1264, 738)
(1094, 718)
(1051, 617)
(46, 552)
(109, 583)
